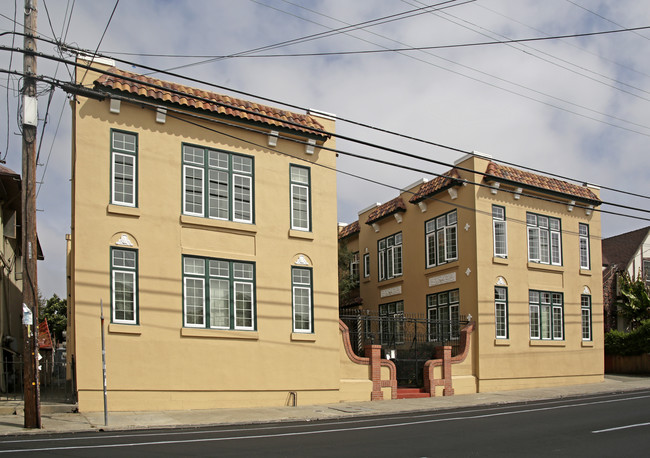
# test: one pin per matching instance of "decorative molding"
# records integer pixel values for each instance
(468, 271)
(115, 106)
(394, 291)
(161, 115)
(453, 193)
(586, 290)
(589, 209)
(442, 279)
(375, 226)
(398, 217)
(467, 226)
(494, 187)
(423, 206)
(517, 194)
(124, 241)
(273, 138)
(309, 146)
(301, 260)
(570, 205)
(501, 281)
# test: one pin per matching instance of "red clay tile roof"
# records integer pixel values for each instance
(179, 94)
(516, 176)
(387, 209)
(440, 183)
(619, 249)
(350, 229)
(7, 171)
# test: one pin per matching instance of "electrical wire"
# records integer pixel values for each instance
(103, 33)
(11, 56)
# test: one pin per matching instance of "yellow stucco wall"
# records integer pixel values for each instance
(158, 363)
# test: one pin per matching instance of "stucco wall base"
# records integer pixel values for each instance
(357, 390)
(464, 384)
(123, 401)
(486, 386)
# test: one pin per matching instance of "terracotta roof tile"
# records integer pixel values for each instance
(439, 183)
(218, 103)
(539, 181)
(350, 229)
(619, 249)
(387, 209)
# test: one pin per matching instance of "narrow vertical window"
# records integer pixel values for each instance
(585, 262)
(443, 314)
(124, 266)
(499, 231)
(124, 154)
(366, 265)
(354, 266)
(300, 198)
(501, 312)
(301, 285)
(389, 254)
(585, 311)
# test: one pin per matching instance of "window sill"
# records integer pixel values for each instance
(544, 267)
(243, 228)
(453, 265)
(303, 337)
(133, 329)
(499, 260)
(547, 343)
(123, 210)
(219, 333)
(501, 342)
(585, 272)
(301, 234)
(587, 343)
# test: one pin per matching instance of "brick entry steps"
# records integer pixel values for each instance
(411, 393)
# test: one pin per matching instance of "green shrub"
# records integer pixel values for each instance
(636, 342)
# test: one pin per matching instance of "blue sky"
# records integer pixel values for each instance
(575, 107)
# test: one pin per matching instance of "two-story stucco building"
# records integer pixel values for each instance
(517, 251)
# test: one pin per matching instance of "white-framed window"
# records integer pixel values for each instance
(300, 198)
(441, 235)
(366, 265)
(391, 323)
(124, 161)
(585, 261)
(124, 286)
(302, 293)
(443, 315)
(389, 254)
(546, 311)
(499, 231)
(585, 312)
(218, 293)
(501, 312)
(544, 239)
(354, 266)
(217, 184)
(646, 271)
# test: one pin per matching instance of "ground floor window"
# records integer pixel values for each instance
(124, 286)
(443, 315)
(391, 324)
(585, 309)
(301, 285)
(218, 293)
(546, 315)
(501, 312)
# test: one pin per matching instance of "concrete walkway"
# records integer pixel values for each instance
(60, 418)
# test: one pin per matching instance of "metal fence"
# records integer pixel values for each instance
(54, 385)
(408, 340)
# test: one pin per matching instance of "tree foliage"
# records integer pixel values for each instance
(634, 305)
(347, 282)
(636, 342)
(55, 310)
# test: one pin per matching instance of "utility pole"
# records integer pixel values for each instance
(29, 246)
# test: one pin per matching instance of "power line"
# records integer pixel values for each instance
(104, 32)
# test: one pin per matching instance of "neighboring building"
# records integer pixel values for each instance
(517, 251)
(205, 225)
(625, 253)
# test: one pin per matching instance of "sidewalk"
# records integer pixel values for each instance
(59, 418)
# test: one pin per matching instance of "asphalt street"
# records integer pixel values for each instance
(600, 425)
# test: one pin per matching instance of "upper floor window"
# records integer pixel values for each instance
(544, 239)
(300, 198)
(585, 262)
(301, 285)
(499, 231)
(124, 286)
(442, 239)
(646, 270)
(354, 266)
(390, 256)
(124, 158)
(218, 293)
(546, 315)
(366, 265)
(443, 314)
(217, 184)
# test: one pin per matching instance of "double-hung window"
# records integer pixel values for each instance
(501, 312)
(546, 311)
(442, 239)
(499, 231)
(124, 159)
(366, 265)
(300, 198)
(217, 184)
(354, 266)
(218, 294)
(391, 323)
(544, 239)
(303, 311)
(443, 316)
(585, 312)
(646, 271)
(389, 251)
(124, 286)
(585, 262)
